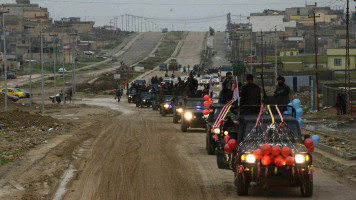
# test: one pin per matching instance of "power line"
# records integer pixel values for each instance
(173, 4)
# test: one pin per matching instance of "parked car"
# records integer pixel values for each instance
(11, 75)
(62, 70)
(12, 92)
(28, 94)
(10, 97)
(163, 67)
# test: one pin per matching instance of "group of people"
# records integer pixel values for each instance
(250, 93)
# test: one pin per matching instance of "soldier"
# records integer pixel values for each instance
(191, 86)
(282, 91)
(250, 95)
(227, 88)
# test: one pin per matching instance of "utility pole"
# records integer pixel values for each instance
(4, 57)
(63, 64)
(41, 58)
(126, 22)
(122, 23)
(73, 68)
(54, 62)
(132, 23)
(347, 67)
(30, 59)
(316, 64)
(275, 56)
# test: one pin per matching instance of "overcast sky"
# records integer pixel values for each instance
(184, 12)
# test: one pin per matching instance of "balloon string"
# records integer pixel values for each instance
(271, 114)
(259, 115)
(279, 113)
(221, 113)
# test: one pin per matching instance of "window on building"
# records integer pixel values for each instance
(291, 53)
(285, 54)
(337, 61)
(298, 11)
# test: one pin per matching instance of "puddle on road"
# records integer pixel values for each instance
(107, 102)
(62, 189)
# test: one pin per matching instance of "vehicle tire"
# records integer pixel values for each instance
(242, 187)
(153, 108)
(141, 106)
(163, 113)
(306, 187)
(183, 127)
(137, 105)
(210, 145)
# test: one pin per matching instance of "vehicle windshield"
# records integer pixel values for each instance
(133, 92)
(292, 135)
(206, 77)
(216, 76)
(179, 99)
(216, 112)
(167, 98)
(146, 95)
(195, 104)
(17, 90)
(140, 81)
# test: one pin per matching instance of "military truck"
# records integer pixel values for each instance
(173, 65)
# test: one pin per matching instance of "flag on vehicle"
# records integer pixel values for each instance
(236, 95)
(210, 88)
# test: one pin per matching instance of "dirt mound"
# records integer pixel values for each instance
(17, 119)
(10, 104)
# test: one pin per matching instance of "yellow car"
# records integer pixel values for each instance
(15, 93)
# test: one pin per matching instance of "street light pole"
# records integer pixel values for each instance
(63, 64)
(73, 69)
(316, 64)
(54, 62)
(4, 57)
(30, 65)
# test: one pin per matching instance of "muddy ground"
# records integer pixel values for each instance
(114, 150)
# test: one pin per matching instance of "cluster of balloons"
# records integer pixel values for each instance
(277, 155)
(207, 103)
(230, 144)
(310, 142)
(298, 110)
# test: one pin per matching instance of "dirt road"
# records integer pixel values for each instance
(145, 156)
(192, 49)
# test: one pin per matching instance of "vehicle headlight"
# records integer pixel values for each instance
(250, 158)
(299, 159)
(226, 132)
(166, 106)
(144, 100)
(130, 96)
(188, 116)
(180, 110)
(216, 130)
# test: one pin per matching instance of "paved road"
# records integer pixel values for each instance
(192, 49)
(219, 45)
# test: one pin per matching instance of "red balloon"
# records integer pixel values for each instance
(257, 153)
(206, 97)
(206, 112)
(289, 160)
(279, 161)
(227, 148)
(206, 104)
(308, 143)
(211, 110)
(232, 143)
(266, 160)
(285, 151)
(276, 150)
(272, 158)
(226, 138)
(266, 149)
(311, 149)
